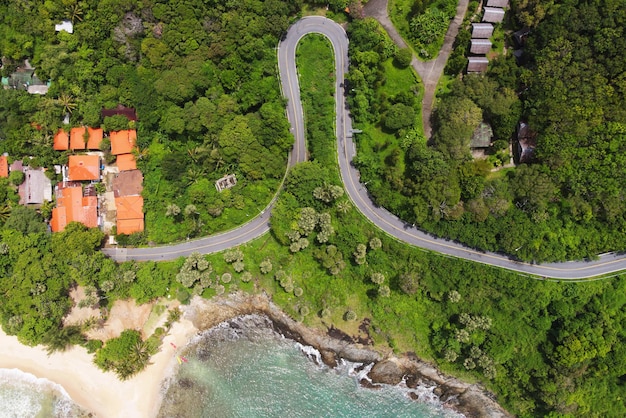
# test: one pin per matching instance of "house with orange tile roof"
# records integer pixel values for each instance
(61, 141)
(4, 166)
(84, 167)
(129, 214)
(93, 138)
(126, 162)
(123, 142)
(73, 206)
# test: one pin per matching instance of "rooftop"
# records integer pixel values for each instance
(493, 15)
(129, 214)
(72, 206)
(61, 140)
(65, 25)
(127, 183)
(84, 167)
(122, 110)
(4, 166)
(477, 64)
(481, 138)
(126, 162)
(36, 187)
(123, 142)
(77, 138)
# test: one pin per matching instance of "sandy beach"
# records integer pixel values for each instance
(99, 393)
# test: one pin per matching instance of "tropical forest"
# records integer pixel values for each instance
(203, 78)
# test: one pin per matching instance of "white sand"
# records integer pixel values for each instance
(97, 392)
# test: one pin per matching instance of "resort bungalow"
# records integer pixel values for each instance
(129, 214)
(121, 110)
(123, 142)
(477, 64)
(85, 138)
(493, 15)
(482, 30)
(480, 46)
(4, 166)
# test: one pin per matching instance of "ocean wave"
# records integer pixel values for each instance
(25, 395)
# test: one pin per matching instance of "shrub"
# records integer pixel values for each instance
(93, 345)
(350, 316)
(246, 277)
(298, 291)
(304, 311)
(403, 58)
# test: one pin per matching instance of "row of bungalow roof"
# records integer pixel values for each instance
(481, 32)
(75, 203)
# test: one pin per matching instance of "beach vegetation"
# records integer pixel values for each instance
(125, 355)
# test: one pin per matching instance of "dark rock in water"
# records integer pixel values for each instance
(203, 353)
(438, 391)
(414, 396)
(387, 372)
(185, 383)
(369, 385)
(329, 358)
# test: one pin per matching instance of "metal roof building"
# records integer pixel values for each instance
(498, 3)
(477, 64)
(480, 46)
(493, 15)
(482, 30)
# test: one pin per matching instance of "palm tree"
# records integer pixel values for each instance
(5, 212)
(74, 12)
(67, 102)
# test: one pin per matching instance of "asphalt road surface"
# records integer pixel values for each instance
(389, 223)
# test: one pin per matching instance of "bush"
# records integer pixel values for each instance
(183, 296)
(403, 58)
(93, 345)
(17, 177)
(350, 316)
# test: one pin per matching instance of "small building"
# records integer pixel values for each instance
(123, 142)
(61, 141)
(129, 214)
(482, 30)
(477, 64)
(82, 138)
(126, 162)
(520, 36)
(503, 4)
(480, 46)
(226, 182)
(24, 78)
(481, 138)
(73, 206)
(493, 15)
(65, 25)
(526, 143)
(84, 167)
(36, 188)
(127, 183)
(4, 166)
(121, 110)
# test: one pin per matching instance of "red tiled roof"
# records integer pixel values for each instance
(61, 141)
(77, 138)
(123, 142)
(126, 162)
(4, 166)
(84, 167)
(73, 207)
(129, 214)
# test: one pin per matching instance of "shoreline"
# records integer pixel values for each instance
(93, 390)
(103, 395)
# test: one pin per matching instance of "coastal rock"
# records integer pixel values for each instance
(387, 372)
(471, 400)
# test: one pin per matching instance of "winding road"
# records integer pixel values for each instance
(389, 223)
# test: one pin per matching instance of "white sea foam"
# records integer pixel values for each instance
(311, 353)
(25, 395)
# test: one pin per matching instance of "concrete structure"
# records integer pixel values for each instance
(482, 30)
(65, 25)
(226, 182)
(36, 188)
(477, 64)
(480, 46)
(493, 15)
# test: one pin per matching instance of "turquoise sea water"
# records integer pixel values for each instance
(24, 395)
(244, 369)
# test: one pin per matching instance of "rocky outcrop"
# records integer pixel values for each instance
(471, 400)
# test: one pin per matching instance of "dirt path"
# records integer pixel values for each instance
(429, 71)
